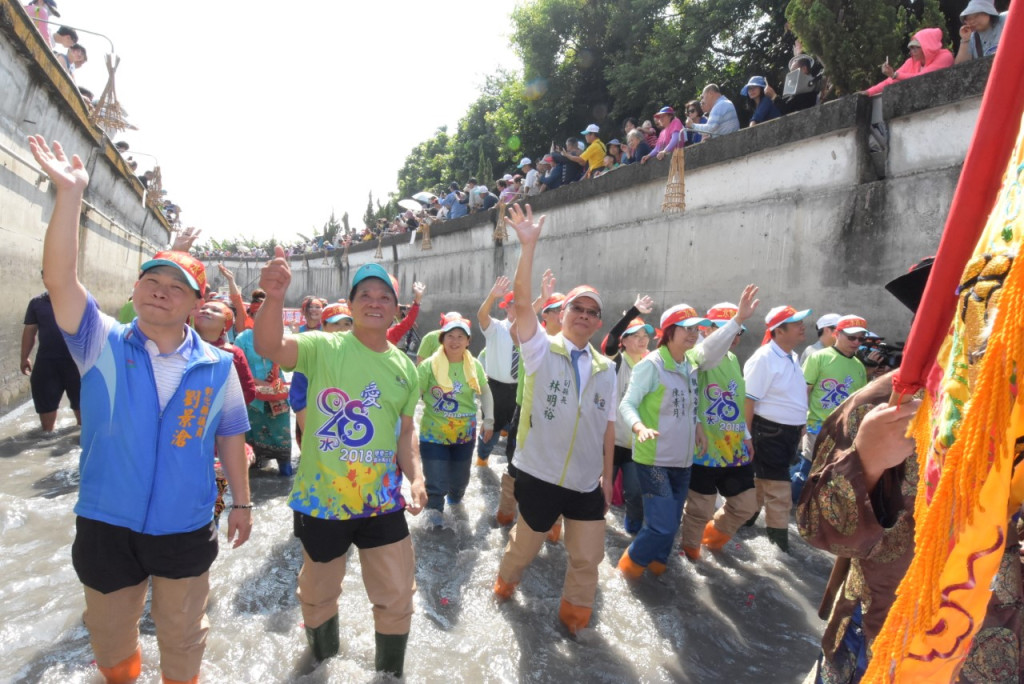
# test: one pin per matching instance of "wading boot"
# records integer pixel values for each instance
(503, 590)
(713, 538)
(167, 680)
(506, 514)
(125, 671)
(779, 536)
(657, 568)
(390, 657)
(629, 568)
(324, 640)
(691, 553)
(574, 617)
(750, 523)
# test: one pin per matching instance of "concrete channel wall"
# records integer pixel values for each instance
(117, 231)
(801, 206)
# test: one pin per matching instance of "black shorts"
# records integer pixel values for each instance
(725, 481)
(540, 502)
(775, 447)
(325, 540)
(107, 557)
(50, 379)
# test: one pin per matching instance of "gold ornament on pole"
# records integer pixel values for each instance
(499, 224)
(425, 230)
(675, 189)
(379, 254)
(108, 113)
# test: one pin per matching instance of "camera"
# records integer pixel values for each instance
(891, 354)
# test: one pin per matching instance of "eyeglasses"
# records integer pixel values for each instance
(580, 310)
(855, 338)
(691, 111)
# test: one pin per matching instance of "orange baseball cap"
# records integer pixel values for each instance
(190, 267)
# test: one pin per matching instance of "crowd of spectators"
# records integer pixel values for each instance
(712, 115)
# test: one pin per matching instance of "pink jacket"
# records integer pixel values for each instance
(935, 57)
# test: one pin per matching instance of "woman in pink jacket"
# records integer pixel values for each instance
(926, 54)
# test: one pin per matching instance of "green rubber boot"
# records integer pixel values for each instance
(779, 536)
(390, 656)
(324, 640)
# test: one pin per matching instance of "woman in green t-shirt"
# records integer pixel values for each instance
(450, 382)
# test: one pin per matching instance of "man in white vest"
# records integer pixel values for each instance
(566, 438)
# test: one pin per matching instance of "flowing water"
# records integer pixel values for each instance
(745, 614)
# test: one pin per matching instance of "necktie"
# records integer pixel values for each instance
(515, 363)
(574, 356)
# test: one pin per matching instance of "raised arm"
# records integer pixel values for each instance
(184, 240)
(547, 288)
(60, 246)
(643, 305)
(529, 233)
(268, 335)
(236, 299)
(715, 346)
(498, 290)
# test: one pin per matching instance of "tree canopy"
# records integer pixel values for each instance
(599, 61)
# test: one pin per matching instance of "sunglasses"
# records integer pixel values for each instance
(691, 111)
(580, 310)
(855, 338)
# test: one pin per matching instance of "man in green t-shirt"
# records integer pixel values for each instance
(348, 487)
(832, 375)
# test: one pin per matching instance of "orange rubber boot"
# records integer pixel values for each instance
(124, 672)
(194, 680)
(574, 617)
(555, 533)
(628, 568)
(691, 553)
(657, 568)
(502, 589)
(713, 538)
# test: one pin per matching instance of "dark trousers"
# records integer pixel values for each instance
(504, 394)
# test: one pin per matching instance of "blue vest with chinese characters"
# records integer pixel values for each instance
(142, 468)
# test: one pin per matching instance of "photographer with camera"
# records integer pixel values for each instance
(878, 357)
(832, 375)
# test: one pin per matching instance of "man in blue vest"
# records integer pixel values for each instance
(156, 401)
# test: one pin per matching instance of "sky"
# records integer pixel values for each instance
(265, 117)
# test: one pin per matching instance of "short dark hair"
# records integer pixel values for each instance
(630, 120)
(69, 32)
(821, 330)
(472, 180)
(78, 46)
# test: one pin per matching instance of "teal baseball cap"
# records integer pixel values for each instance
(374, 270)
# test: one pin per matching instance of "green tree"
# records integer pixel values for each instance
(696, 43)
(567, 48)
(853, 37)
(370, 216)
(427, 165)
